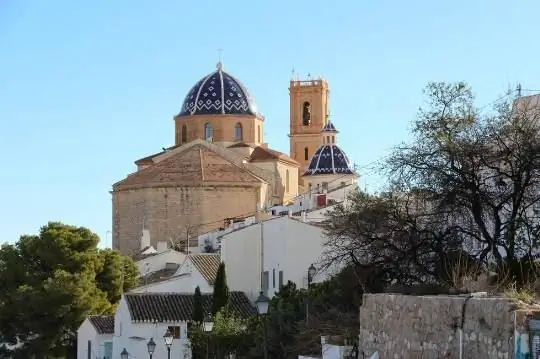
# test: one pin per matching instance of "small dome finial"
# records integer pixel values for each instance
(219, 65)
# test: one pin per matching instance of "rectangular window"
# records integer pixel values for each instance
(274, 278)
(265, 281)
(280, 279)
(175, 332)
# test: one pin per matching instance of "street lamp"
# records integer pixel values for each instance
(208, 325)
(168, 338)
(310, 274)
(151, 345)
(124, 354)
(262, 304)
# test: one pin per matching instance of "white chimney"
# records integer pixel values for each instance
(162, 246)
(304, 216)
(145, 239)
(290, 213)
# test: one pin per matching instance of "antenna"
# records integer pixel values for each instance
(293, 72)
(518, 89)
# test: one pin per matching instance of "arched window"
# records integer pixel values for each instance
(184, 133)
(306, 154)
(306, 114)
(208, 132)
(259, 133)
(238, 136)
(287, 181)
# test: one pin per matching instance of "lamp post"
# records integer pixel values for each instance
(151, 345)
(124, 354)
(310, 274)
(262, 304)
(208, 325)
(168, 338)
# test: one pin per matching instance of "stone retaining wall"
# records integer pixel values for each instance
(427, 327)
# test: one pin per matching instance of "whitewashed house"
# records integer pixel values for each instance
(141, 316)
(290, 246)
(95, 338)
(196, 270)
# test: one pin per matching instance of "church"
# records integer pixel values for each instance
(220, 167)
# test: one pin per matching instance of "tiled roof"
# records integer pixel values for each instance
(104, 324)
(207, 264)
(159, 275)
(239, 145)
(178, 307)
(197, 164)
(262, 154)
(151, 157)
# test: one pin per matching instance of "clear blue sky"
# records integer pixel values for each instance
(87, 87)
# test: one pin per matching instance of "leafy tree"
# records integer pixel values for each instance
(230, 334)
(51, 282)
(198, 309)
(220, 297)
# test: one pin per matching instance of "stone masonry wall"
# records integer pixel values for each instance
(427, 327)
(176, 211)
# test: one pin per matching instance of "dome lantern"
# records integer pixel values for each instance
(329, 134)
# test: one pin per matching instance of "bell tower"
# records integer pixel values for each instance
(309, 113)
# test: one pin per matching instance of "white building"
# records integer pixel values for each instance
(141, 316)
(95, 338)
(290, 247)
(196, 270)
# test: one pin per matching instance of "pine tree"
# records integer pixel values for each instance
(198, 310)
(220, 297)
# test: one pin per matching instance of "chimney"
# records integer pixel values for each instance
(162, 246)
(290, 213)
(303, 216)
(145, 239)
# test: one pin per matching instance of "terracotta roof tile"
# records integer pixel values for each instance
(207, 264)
(197, 164)
(261, 154)
(239, 145)
(104, 324)
(151, 157)
(178, 307)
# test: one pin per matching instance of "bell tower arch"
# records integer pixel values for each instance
(309, 113)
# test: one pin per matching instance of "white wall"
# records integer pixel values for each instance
(87, 332)
(185, 280)
(134, 336)
(289, 246)
(158, 261)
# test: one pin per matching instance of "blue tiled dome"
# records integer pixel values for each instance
(329, 127)
(217, 94)
(329, 159)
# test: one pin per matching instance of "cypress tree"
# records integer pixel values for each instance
(198, 309)
(220, 298)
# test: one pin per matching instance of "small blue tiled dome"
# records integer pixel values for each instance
(218, 94)
(329, 159)
(329, 127)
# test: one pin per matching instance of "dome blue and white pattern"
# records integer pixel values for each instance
(329, 159)
(218, 94)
